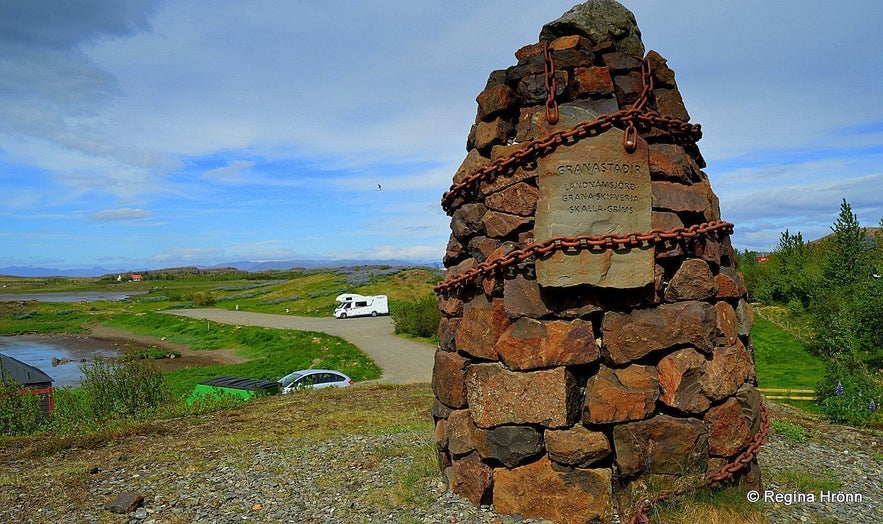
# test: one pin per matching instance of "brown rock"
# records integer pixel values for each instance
(662, 445)
(483, 322)
(481, 247)
(497, 396)
(728, 369)
(449, 378)
(630, 336)
(627, 87)
(466, 221)
(492, 133)
(671, 162)
(513, 445)
(531, 344)
(667, 221)
(709, 249)
(692, 281)
(521, 298)
(125, 502)
(526, 129)
(529, 51)
(501, 225)
(591, 81)
(470, 165)
(621, 395)
(451, 306)
(532, 88)
(662, 74)
(472, 479)
(669, 102)
(494, 100)
(454, 252)
(570, 42)
(729, 432)
(458, 432)
(518, 199)
(695, 198)
(727, 322)
(578, 446)
(732, 282)
(452, 271)
(681, 376)
(508, 178)
(440, 435)
(541, 490)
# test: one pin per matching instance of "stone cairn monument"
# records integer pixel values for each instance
(594, 353)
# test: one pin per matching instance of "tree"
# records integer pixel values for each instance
(846, 265)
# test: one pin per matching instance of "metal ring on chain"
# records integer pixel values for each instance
(581, 242)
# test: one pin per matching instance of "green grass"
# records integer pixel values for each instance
(782, 360)
(790, 430)
(273, 352)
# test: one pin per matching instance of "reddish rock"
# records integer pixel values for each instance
(729, 431)
(449, 378)
(521, 298)
(440, 435)
(497, 396)
(541, 490)
(461, 267)
(472, 479)
(450, 306)
(662, 74)
(532, 88)
(681, 376)
(519, 199)
(670, 103)
(570, 42)
(671, 161)
(483, 322)
(481, 247)
(692, 281)
(630, 336)
(507, 178)
(513, 445)
(454, 252)
(492, 133)
(728, 369)
(470, 165)
(667, 221)
(708, 249)
(695, 198)
(531, 344)
(730, 283)
(620, 395)
(626, 87)
(494, 100)
(591, 81)
(661, 445)
(459, 432)
(727, 322)
(501, 225)
(529, 51)
(526, 128)
(578, 446)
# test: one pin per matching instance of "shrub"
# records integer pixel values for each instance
(20, 412)
(130, 388)
(202, 299)
(419, 318)
(849, 394)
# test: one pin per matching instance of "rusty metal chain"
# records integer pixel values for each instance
(551, 85)
(577, 243)
(641, 514)
(636, 115)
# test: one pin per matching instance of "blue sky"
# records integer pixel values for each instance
(139, 134)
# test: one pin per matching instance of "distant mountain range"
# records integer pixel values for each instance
(244, 265)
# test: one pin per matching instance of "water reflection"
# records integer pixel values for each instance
(39, 351)
(81, 296)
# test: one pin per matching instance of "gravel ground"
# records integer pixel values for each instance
(357, 478)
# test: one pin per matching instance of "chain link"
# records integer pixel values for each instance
(641, 514)
(577, 243)
(636, 115)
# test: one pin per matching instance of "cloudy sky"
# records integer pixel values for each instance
(142, 134)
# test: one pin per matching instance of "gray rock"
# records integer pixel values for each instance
(599, 21)
(125, 502)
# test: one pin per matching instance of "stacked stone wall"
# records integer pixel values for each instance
(561, 402)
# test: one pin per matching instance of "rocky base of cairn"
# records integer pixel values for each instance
(560, 403)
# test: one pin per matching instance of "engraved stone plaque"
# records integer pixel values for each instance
(594, 187)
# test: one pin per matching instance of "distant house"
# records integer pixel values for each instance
(136, 277)
(31, 378)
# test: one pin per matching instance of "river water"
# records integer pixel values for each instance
(39, 350)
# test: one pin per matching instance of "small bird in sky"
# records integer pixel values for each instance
(379, 187)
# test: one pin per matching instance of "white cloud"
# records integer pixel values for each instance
(125, 213)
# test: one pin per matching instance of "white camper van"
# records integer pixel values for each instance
(352, 305)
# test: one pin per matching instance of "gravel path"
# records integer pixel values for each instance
(403, 361)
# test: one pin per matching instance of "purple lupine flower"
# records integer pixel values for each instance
(839, 389)
(872, 406)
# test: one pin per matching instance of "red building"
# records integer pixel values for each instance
(33, 380)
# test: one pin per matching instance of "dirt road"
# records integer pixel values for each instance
(402, 361)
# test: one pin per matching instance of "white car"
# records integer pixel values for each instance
(314, 379)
